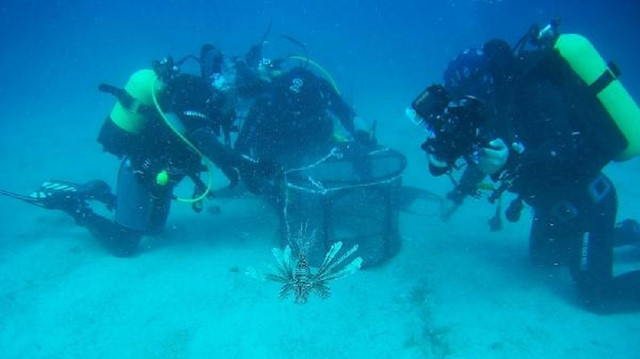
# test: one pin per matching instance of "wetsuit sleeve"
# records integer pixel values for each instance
(468, 185)
(223, 157)
(254, 174)
(339, 107)
(346, 115)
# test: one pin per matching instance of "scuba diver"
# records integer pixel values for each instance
(293, 120)
(542, 118)
(291, 113)
(164, 126)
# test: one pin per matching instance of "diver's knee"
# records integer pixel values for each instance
(124, 244)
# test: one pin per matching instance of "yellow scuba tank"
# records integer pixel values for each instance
(143, 86)
(137, 104)
(587, 63)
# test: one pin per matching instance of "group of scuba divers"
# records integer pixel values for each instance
(540, 119)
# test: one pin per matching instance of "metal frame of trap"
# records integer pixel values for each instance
(321, 205)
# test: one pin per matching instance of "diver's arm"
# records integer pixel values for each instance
(361, 131)
(254, 174)
(343, 111)
(468, 184)
(337, 105)
(206, 141)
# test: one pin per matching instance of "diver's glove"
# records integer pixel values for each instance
(492, 158)
(436, 166)
(468, 186)
(232, 175)
(366, 138)
(205, 139)
(231, 172)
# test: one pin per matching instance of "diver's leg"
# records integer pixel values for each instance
(549, 235)
(72, 199)
(592, 266)
(591, 257)
(138, 211)
(624, 293)
(141, 207)
(99, 191)
(118, 240)
(161, 205)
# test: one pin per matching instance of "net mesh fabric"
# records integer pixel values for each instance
(345, 197)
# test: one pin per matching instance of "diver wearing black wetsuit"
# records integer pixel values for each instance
(292, 119)
(558, 137)
(179, 130)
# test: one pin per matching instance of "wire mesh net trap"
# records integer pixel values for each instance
(347, 196)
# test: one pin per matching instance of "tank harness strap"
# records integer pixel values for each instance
(127, 100)
(610, 74)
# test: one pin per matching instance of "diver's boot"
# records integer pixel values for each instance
(627, 233)
(64, 196)
(99, 191)
(73, 199)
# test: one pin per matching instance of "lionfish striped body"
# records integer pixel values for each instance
(300, 280)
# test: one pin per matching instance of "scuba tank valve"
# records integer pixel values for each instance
(549, 33)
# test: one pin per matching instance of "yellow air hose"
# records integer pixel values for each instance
(190, 145)
(326, 73)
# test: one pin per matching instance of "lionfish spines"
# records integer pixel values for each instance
(300, 280)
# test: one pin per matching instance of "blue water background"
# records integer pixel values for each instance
(54, 53)
(381, 53)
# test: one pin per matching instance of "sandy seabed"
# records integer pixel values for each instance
(452, 292)
(455, 290)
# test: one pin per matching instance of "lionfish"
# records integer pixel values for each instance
(298, 278)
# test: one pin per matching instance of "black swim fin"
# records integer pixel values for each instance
(52, 195)
(57, 194)
(28, 199)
